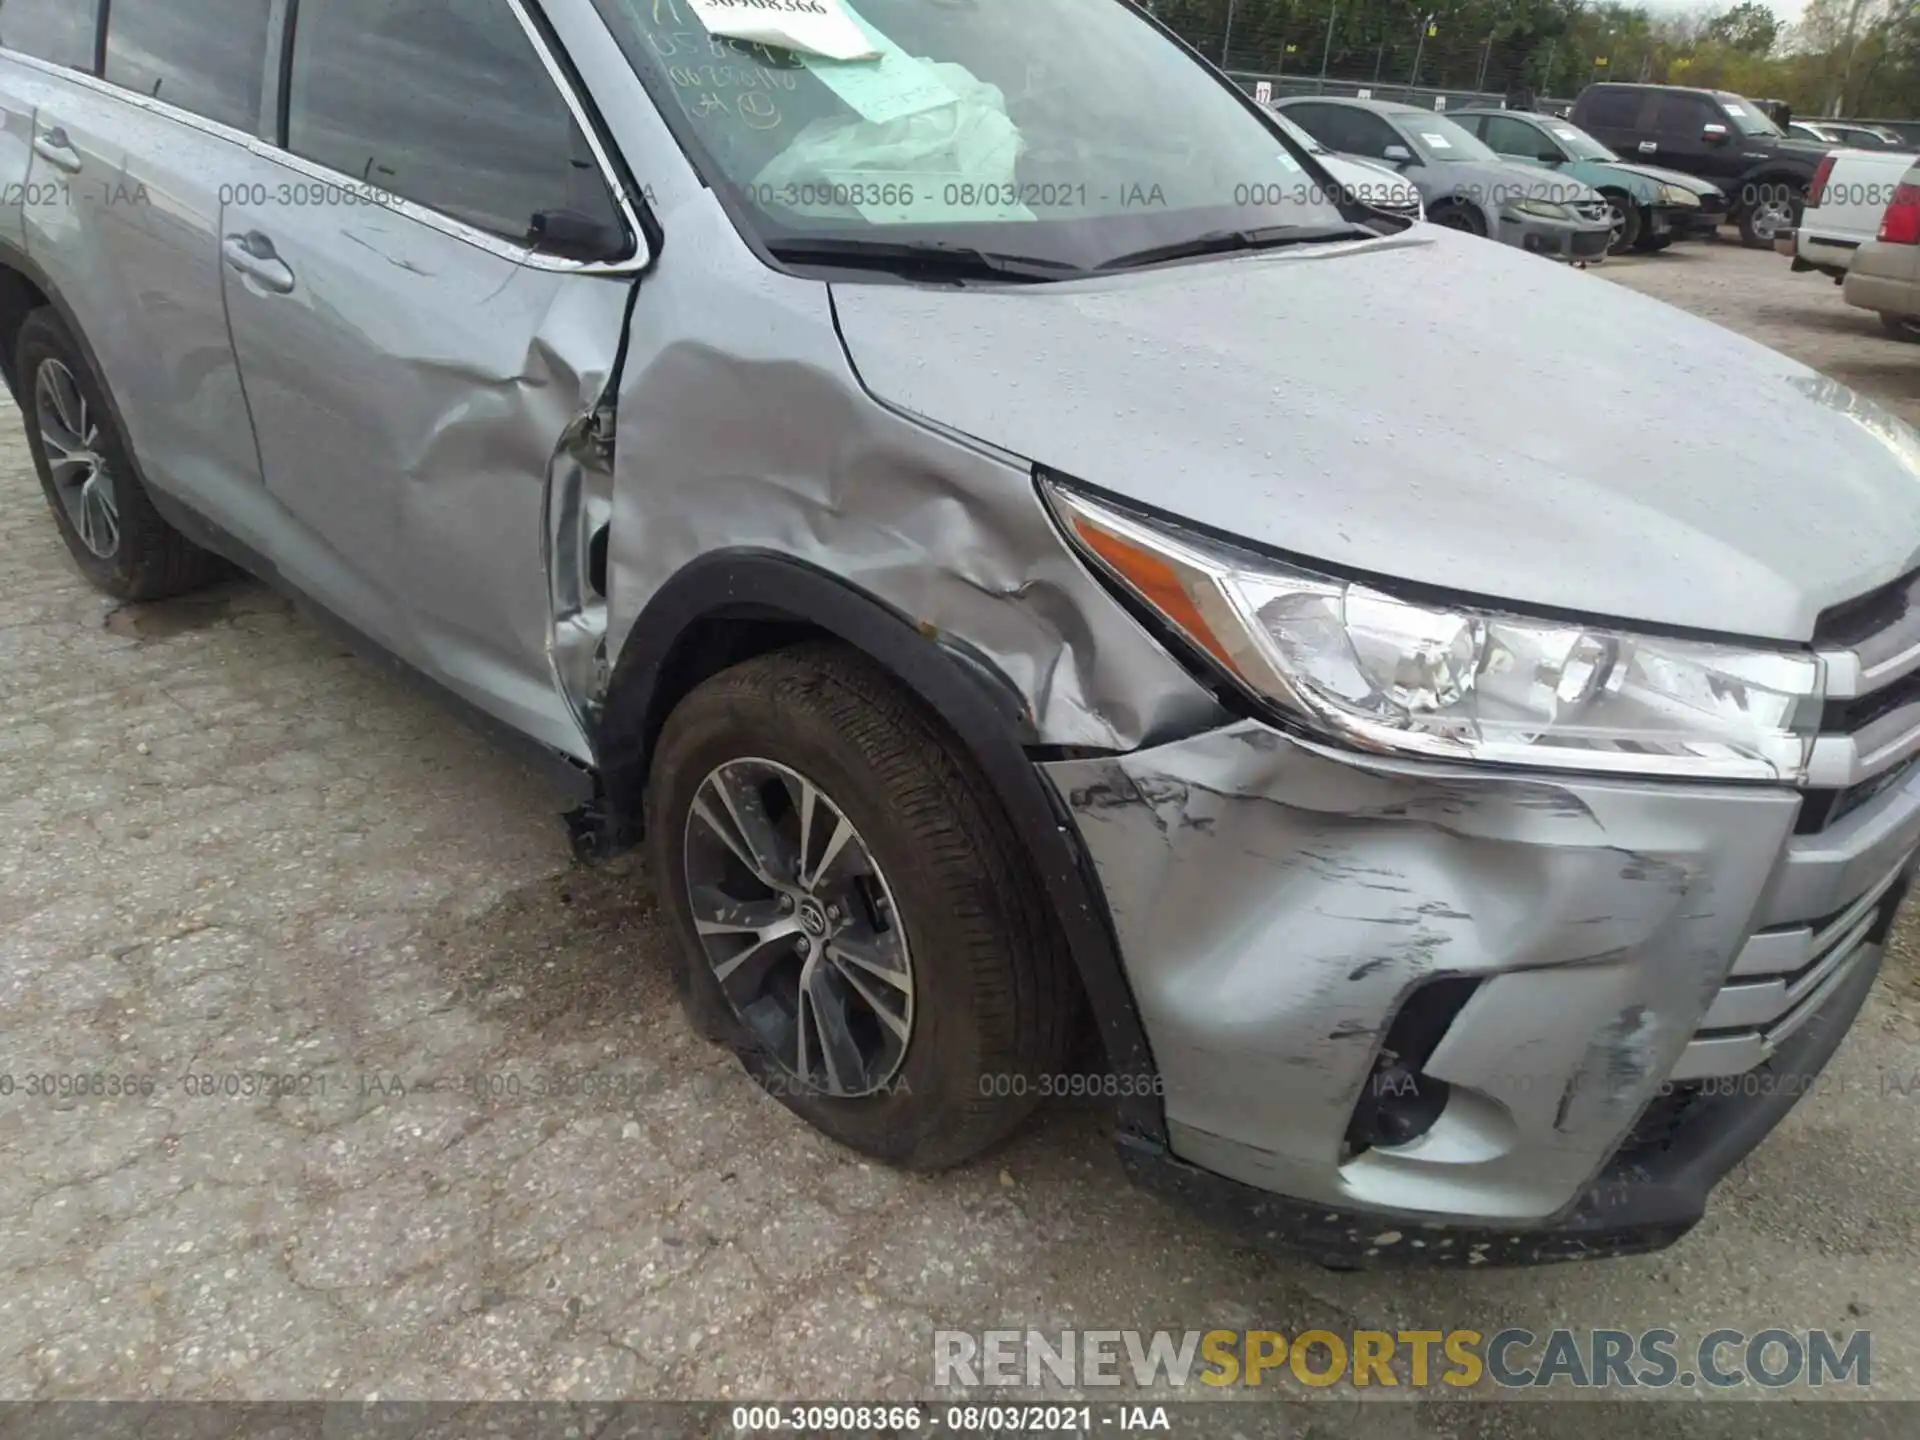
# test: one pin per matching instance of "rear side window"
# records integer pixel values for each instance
(445, 103)
(204, 56)
(1618, 109)
(57, 30)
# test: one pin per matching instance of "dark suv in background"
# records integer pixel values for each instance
(1714, 135)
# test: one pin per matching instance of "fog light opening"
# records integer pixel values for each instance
(1400, 1102)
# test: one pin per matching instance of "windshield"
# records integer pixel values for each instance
(1577, 143)
(1439, 139)
(1746, 119)
(1061, 130)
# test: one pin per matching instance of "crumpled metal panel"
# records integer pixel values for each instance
(1276, 902)
(743, 425)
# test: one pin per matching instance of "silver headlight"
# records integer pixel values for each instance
(1675, 195)
(1459, 682)
(1543, 209)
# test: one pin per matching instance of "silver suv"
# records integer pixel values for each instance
(1032, 557)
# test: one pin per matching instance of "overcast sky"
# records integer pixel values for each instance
(1787, 10)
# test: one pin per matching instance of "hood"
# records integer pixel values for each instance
(1691, 183)
(1433, 408)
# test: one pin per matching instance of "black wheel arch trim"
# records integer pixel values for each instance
(982, 709)
(13, 258)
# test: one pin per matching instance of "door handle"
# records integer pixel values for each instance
(253, 255)
(57, 150)
(1647, 147)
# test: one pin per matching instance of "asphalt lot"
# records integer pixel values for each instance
(233, 848)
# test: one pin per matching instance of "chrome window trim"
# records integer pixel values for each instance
(632, 264)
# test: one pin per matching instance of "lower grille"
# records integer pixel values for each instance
(1782, 977)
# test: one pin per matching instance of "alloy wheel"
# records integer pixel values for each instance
(799, 927)
(70, 438)
(1771, 218)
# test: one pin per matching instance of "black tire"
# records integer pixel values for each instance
(1649, 243)
(1757, 236)
(1901, 327)
(1458, 215)
(1627, 223)
(147, 558)
(995, 998)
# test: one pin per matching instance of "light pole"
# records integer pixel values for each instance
(1326, 50)
(1420, 48)
(1226, 41)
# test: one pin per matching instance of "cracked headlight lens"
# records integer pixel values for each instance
(1454, 681)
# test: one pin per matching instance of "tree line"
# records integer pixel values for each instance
(1843, 57)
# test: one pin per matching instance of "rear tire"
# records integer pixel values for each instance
(1775, 206)
(929, 877)
(86, 468)
(1901, 327)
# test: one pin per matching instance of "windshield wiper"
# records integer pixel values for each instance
(931, 258)
(1222, 242)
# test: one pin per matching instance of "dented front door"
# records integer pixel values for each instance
(411, 364)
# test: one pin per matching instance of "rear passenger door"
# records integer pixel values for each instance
(39, 39)
(410, 356)
(1618, 119)
(122, 217)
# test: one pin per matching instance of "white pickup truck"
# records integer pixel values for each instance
(1848, 196)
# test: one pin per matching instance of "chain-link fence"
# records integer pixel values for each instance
(1395, 48)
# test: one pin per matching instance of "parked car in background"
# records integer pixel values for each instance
(1650, 207)
(1846, 200)
(1463, 184)
(1885, 274)
(1808, 130)
(1865, 137)
(1377, 185)
(1713, 134)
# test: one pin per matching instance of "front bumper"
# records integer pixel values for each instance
(1279, 904)
(1557, 239)
(1684, 222)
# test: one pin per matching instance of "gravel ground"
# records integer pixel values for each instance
(234, 849)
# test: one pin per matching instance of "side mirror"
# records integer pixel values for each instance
(1713, 134)
(1397, 155)
(572, 236)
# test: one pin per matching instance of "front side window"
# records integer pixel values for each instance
(1684, 116)
(1067, 130)
(205, 56)
(58, 30)
(445, 103)
(1515, 137)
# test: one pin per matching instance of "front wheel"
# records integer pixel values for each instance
(1457, 215)
(1624, 214)
(856, 918)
